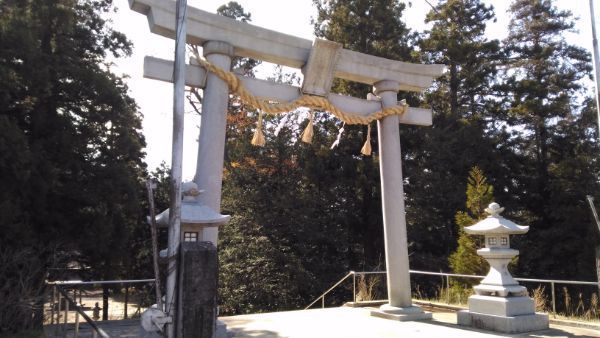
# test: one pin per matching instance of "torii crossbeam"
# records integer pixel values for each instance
(223, 38)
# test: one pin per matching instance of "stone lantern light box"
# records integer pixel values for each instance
(195, 217)
(500, 303)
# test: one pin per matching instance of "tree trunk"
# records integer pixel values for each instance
(453, 82)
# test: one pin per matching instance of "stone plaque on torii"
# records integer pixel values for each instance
(321, 61)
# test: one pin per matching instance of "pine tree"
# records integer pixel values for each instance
(479, 194)
(376, 28)
(441, 156)
(458, 40)
(77, 153)
(282, 227)
(542, 85)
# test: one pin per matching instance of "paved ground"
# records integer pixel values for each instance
(343, 322)
(126, 328)
(356, 322)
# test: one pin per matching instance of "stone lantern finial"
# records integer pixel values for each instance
(189, 190)
(494, 209)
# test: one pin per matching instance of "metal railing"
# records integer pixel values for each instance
(95, 329)
(59, 290)
(322, 296)
(447, 276)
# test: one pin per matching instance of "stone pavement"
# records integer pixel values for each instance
(356, 322)
(342, 322)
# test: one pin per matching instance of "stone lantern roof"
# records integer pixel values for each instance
(495, 224)
(192, 211)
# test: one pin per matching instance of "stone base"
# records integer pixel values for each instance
(402, 314)
(499, 306)
(515, 324)
(221, 330)
(500, 290)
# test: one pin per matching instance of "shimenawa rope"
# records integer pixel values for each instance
(310, 101)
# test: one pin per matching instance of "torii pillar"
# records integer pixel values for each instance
(400, 305)
(211, 142)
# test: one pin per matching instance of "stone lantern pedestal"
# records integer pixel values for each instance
(500, 303)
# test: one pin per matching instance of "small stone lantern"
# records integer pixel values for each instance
(195, 217)
(500, 303)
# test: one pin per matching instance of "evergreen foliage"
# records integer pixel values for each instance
(284, 243)
(302, 214)
(439, 156)
(367, 27)
(553, 141)
(465, 259)
(70, 144)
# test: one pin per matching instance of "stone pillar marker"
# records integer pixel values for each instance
(400, 305)
(500, 303)
(211, 142)
(198, 296)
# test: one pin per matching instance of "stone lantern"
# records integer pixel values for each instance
(500, 303)
(195, 217)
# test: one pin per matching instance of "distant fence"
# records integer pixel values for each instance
(365, 290)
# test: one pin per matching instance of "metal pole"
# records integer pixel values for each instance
(176, 165)
(596, 62)
(126, 301)
(447, 289)
(58, 313)
(354, 286)
(52, 305)
(66, 312)
(553, 298)
(323, 302)
(76, 312)
(595, 213)
(150, 185)
(76, 323)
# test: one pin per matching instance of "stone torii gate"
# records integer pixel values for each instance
(223, 38)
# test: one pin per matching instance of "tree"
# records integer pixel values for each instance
(465, 259)
(280, 233)
(552, 140)
(372, 27)
(440, 156)
(73, 138)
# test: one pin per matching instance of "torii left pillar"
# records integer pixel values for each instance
(213, 123)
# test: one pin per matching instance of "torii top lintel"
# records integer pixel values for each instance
(271, 46)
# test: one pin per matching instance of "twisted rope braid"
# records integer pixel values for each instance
(309, 101)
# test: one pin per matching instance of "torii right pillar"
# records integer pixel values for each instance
(400, 305)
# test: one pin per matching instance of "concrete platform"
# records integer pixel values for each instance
(344, 322)
(357, 322)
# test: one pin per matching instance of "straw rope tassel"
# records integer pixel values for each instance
(259, 138)
(308, 133)
(366, 149)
